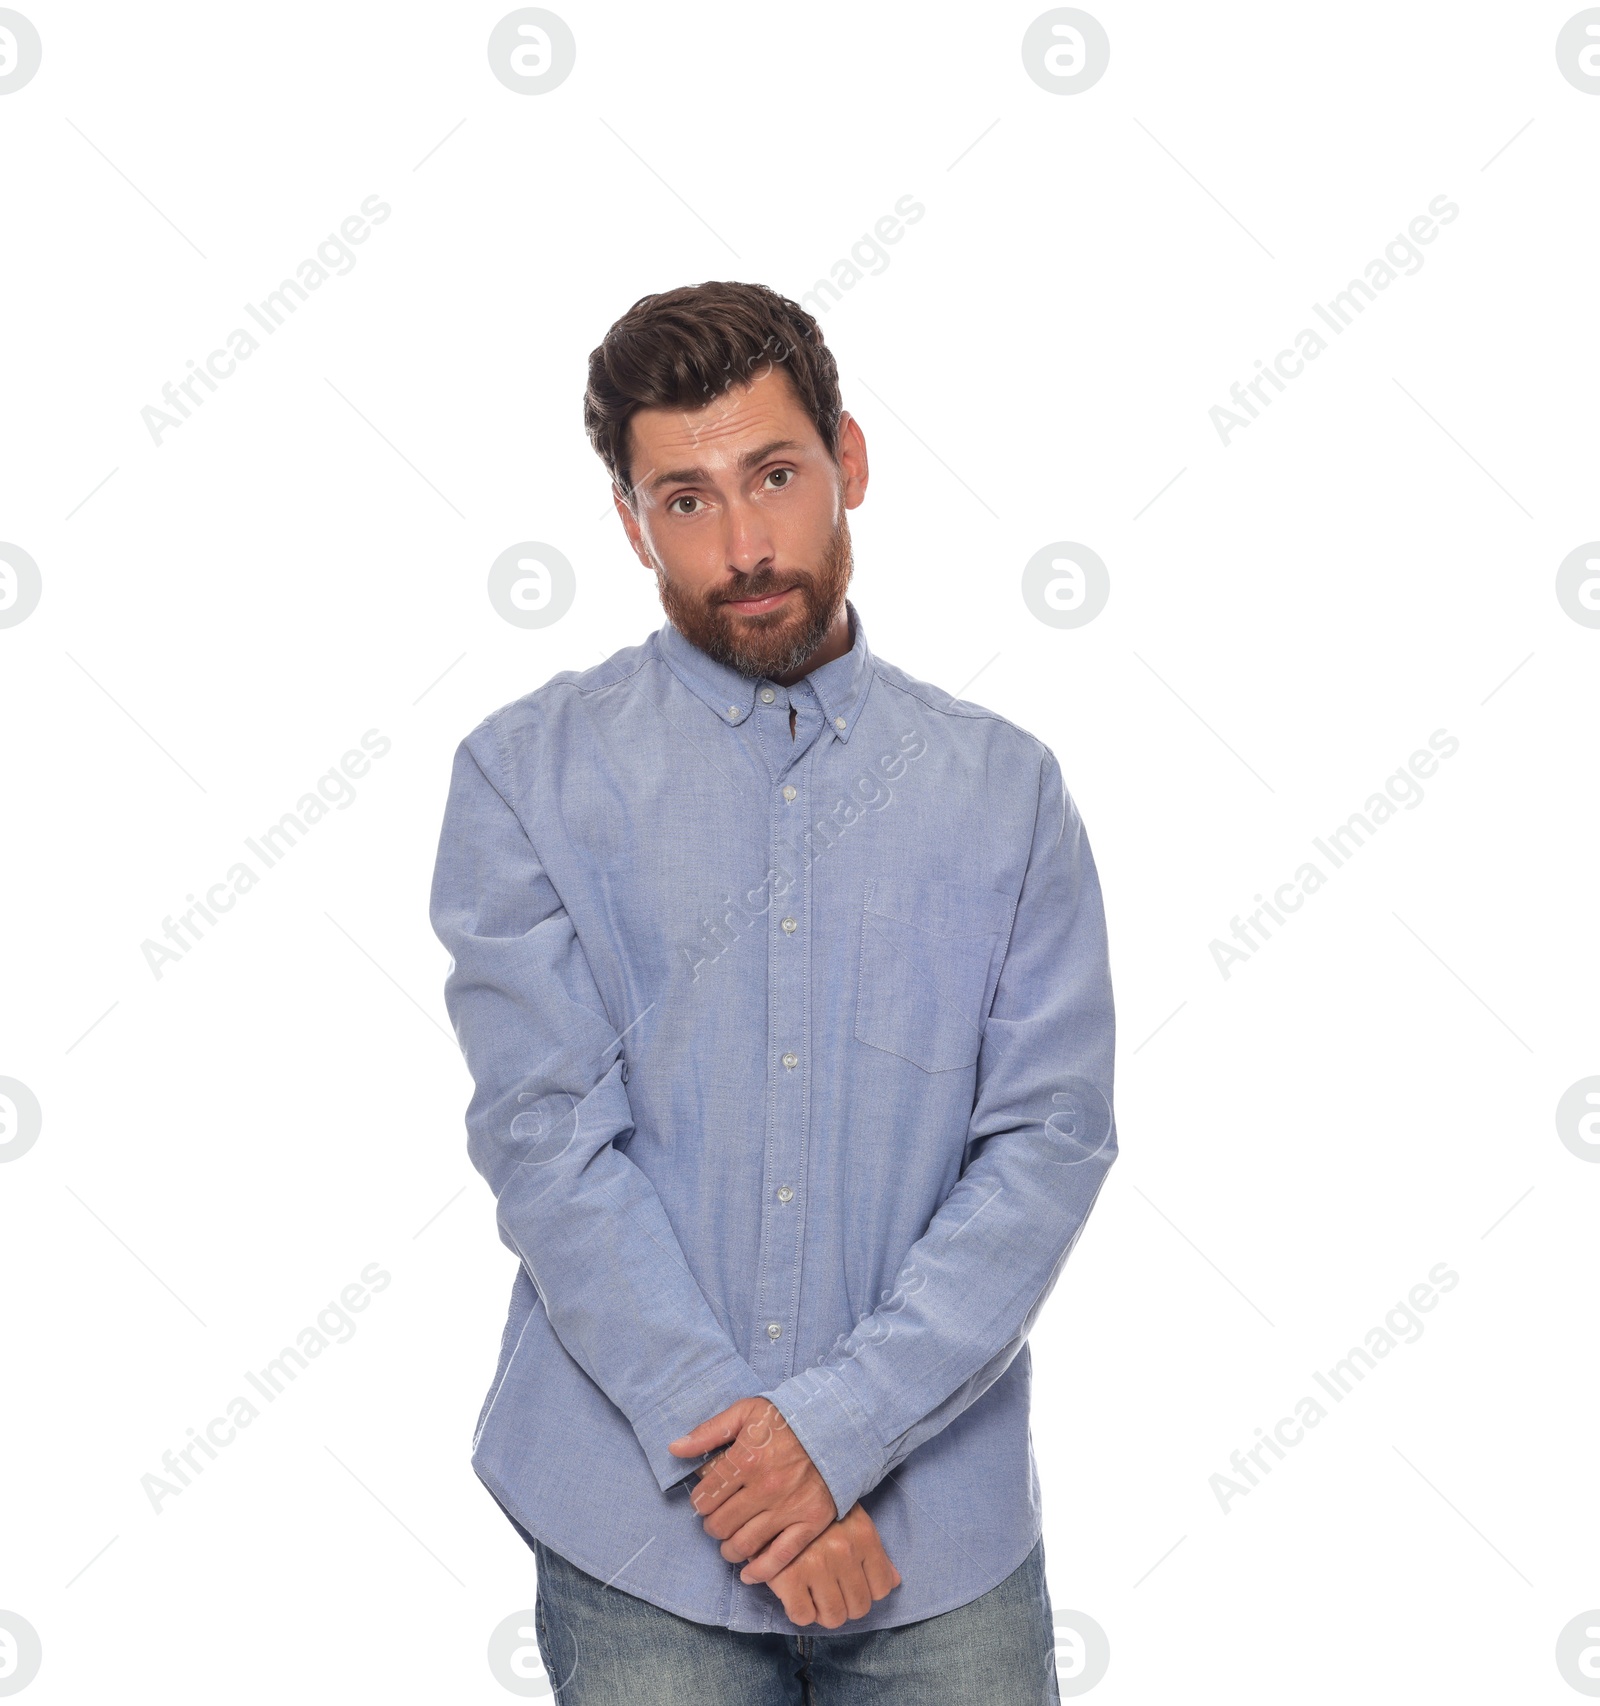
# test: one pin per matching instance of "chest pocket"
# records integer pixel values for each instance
(930, 956)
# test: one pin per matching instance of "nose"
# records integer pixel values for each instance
(747, 539)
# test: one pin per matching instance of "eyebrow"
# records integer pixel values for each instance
(750, 459)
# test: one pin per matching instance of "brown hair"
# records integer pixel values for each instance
(681, 348)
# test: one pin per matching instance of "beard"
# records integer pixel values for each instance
(778, 642)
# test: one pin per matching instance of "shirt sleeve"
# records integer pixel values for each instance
(1041, 1142)
(548, 1110)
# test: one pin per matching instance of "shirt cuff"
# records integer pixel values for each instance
(685, 1409)
(836, 1432)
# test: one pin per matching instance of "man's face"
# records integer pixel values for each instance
(740, 510)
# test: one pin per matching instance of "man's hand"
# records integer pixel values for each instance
(763, 1497)
(839, 1574)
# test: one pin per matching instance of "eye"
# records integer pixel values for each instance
(785, 475)
(683, 498)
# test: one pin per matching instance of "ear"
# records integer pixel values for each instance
(852, 459)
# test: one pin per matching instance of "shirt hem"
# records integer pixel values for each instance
(596, 1567)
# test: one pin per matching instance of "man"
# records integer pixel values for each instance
(782, 979)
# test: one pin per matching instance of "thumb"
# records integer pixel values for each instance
(715, 1431)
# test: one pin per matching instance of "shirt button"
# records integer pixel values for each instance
(774, 1330)
(767, 695)
(789, 926)
(788, 793)
(838, 722)
(791, 1061)
(785, 1193)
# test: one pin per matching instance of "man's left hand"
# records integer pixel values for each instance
(763, 1497)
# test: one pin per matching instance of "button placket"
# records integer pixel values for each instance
(781, 747)
(788, 1073)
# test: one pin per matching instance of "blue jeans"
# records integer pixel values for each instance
(604, 1647)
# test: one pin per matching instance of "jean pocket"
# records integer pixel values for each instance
(930, 955)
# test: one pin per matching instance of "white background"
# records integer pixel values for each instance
(226, 1147)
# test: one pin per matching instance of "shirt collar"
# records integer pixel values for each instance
(840, 685)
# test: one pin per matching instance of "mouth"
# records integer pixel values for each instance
(757, 606)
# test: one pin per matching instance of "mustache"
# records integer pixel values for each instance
(760, 589)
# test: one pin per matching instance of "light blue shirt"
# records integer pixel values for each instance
(793, 1075)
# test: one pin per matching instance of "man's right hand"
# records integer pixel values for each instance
(839, 1575)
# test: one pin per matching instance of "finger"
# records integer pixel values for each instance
(853, 1585)
(828, 1599)
(732, 1514)
(781, 1552)
(714, 1431)
(798, 1604)
(747, 1540)
(713, 1488)
(726, 1477)
(882, 1576)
